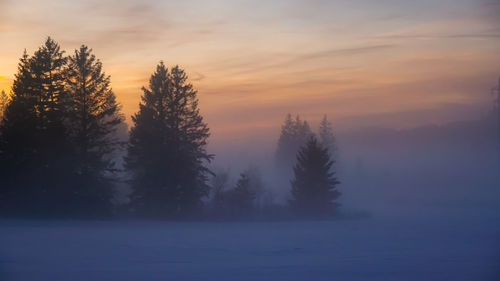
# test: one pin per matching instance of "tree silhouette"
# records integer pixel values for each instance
(34, 148)
(314, 187)
(326, 136)
(93, 116)
(218, 190)
(166, 154)
(241, 198)
(294, 134)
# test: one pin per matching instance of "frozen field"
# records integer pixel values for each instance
(381, 248)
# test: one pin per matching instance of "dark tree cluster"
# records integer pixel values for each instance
(62, 133)
(55, 135)
(239, 202)
(309, 164)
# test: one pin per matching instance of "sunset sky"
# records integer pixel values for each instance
(364, 63)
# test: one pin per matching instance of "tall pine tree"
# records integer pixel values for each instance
(314, 187)
(93, 116)
(166, 154)
(34, 148)
(19, 143)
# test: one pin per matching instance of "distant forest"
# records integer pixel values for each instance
(61, 134)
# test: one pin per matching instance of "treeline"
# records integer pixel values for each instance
(59, 140)
(304, 163)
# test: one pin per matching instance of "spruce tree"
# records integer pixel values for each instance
(93, 116)
(34, 148)
(314, 187)
(241, 198)
(166, 153)
(19, 144)
(294, 134)
(326, 136)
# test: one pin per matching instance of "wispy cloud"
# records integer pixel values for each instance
(297, 60)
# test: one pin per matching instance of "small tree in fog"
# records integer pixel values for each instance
(294, 134)
(314, 187)
(218, 189)
(326, 136)
(93, 118)
(241, 198)
(166, 154)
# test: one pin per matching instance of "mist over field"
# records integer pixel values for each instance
(452, 166)
(249, 140)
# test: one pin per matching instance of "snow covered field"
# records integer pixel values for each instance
(432, 247)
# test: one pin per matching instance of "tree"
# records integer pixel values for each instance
(34, 148)
(93, 116)
(241, 198)
(166, 154)
(294, 133)
(314, 187)
(326, 136)
(218, 190)
(18, 139)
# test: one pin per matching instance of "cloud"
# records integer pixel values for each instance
(478, 35)
(444, 112)
(272, 62)
(197, 77)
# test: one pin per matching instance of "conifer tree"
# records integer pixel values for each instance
(34, 148)
(241, 198)
(166, 154)
(218, 190)
(314, 187)
(294, 134)
(18, 139)
(326, 136)
(93, 116)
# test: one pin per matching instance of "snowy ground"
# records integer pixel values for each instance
(436, 247)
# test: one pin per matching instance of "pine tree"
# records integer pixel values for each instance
(327, 138)
(241, 198)
(18, 140)
(93, 116)
(166, 154)
(218, 190)
(294, 134)
(34, 147)
(314, 187)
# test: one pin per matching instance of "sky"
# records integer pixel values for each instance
(385, 63)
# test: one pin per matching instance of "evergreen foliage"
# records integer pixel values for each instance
(294, 134)
(34, 146)
(93, 116)
(326, 136)
(57, 109)
(314, 187)
(241, 198)
(166, 154)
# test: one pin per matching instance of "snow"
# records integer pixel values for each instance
(431, 247)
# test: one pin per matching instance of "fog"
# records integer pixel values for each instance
(417, 204)
(451, 167)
